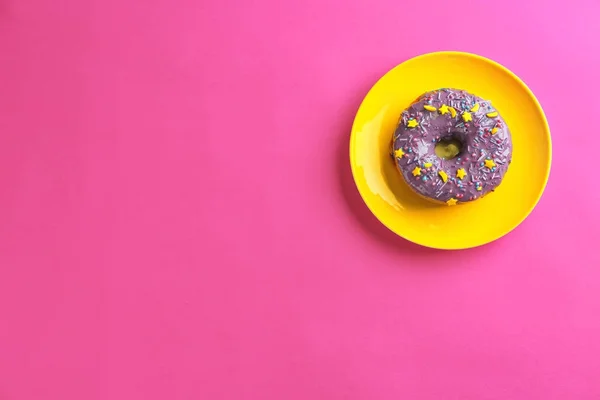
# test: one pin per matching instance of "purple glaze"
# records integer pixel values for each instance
(478, 145)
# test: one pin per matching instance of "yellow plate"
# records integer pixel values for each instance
(473, 224)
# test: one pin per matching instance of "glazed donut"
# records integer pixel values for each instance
(451, 146)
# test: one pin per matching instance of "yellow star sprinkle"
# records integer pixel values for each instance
(494, 131)
(461, 173)
(467, 116)
(399, 153)
(412, 123)
(492, 114)
(479, 188)
(429, 108)
(452, 111)
(443, 109)
(444, 176)
(475, 107)
(427, 164)
(489, 164)
(452, 202)
(416, 171)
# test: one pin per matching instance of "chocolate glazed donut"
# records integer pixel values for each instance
(451, 146)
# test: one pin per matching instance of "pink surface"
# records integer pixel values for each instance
(178, 219)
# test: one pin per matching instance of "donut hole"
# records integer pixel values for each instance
(448, 148)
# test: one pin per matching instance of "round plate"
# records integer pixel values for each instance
(420, 221)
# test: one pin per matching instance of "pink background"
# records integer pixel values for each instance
(178, 219)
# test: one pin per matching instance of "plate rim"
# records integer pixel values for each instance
(529, 92)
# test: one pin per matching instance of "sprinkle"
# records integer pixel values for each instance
(444, 176)
(492, 114)
(412, 123)
(427, 164)
(452, 111)
(429, 108)
(416, 171)
(399, 153)
(489, 164)
(461, 173)
(475, 108)
(443, 109)
(452, 202)
(494, 131)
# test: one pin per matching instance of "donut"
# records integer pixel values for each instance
(451, 146)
